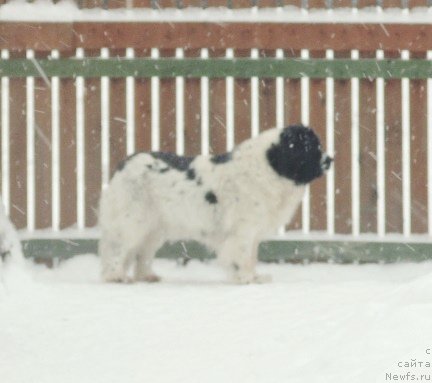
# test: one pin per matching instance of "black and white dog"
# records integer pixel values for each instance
(228, 202)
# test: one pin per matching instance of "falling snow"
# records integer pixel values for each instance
(315, 323)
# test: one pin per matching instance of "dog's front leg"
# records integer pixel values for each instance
(239, 256)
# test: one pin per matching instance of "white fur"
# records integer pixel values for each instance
(142, 208)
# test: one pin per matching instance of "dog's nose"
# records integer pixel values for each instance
(326, 162)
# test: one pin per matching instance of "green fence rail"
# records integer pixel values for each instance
(283, 250)
(217, 68)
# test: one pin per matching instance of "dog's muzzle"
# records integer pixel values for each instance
(326, 162)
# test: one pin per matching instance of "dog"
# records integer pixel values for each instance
(228, 202)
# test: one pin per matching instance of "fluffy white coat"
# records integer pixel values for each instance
(148, 203)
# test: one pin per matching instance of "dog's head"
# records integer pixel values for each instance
(298, 155)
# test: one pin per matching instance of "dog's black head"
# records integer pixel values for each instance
(298, 155)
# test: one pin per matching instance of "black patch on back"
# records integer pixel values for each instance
(173, 160)
(190, 174)
(221, 158)
(211, 198)
(297, 155)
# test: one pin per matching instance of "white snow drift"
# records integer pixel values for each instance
(314, 323)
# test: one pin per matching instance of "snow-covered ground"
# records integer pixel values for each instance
(314, 323)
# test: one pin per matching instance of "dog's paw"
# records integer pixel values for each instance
(125, 280)
(263, 278)
(149, 278)
(246, 279)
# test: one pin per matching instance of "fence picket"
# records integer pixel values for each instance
(406, 152)
(368, 153)
(5, 138)
(55, 149)
(380, 152)
(305, 120)
(205, 110)
(355, 153)
(80, 147)
(130, 108)
(429, 147)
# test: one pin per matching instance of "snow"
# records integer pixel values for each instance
(314, 323)
(67, 11)
(10, 246)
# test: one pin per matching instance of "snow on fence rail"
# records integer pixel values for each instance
(238, 4)
(67, 119)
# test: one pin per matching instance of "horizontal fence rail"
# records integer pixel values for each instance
(280, 250)
(218, 68)
(340, 37)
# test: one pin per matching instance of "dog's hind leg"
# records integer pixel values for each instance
(144, 259)
(115, 261)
